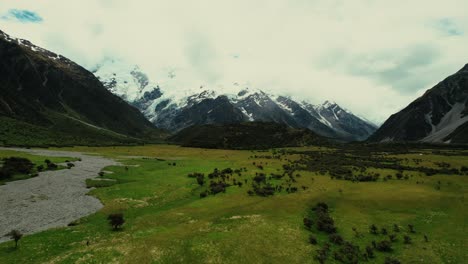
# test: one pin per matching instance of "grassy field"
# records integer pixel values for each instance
(37, 160)
(168, 222)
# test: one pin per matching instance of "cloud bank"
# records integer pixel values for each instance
(373, 57)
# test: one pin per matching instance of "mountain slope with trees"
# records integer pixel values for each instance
(248, 135)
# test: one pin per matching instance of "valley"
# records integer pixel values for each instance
(192, 132)
(167, 219)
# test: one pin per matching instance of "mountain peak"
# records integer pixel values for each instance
(177, 110)
(328, 104)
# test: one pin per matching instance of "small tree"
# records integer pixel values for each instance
(15, 235)
(116, 220)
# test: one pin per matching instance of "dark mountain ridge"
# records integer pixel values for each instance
(438, 116)
(43, 89)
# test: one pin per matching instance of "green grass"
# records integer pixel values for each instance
(99, 183)
(37, 160)
(167, 222)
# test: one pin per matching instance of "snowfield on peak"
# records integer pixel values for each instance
(170, 104)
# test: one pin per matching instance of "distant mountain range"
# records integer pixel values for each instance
(47, 99)
(439, 116)
(175, 112)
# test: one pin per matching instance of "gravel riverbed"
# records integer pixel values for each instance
(52, 199)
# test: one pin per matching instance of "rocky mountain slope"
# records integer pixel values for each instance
(174, 112)
(439, 116)
(47, 96)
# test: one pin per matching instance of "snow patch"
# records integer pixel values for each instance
(250, 116)
(451, 121)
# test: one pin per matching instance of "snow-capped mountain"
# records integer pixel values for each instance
(439, 116)
(172, 111)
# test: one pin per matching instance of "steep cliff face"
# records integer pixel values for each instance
(439, 116)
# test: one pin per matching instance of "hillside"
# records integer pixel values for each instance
(46, 94)
(249, 135)
(439, 116)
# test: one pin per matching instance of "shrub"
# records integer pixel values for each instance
(407, 239)
(227, 171)
(312, 240)
(264, 191)
(217, 187)
(370, 252)
(384, 246)
(336, 239)
(15, 235)
(390, 260)
(17, 165)
(322, 207)
(260, 178)
(325, 223)
(399, 175)
(201, 179)
(203, 194)
(51, 166)
(116, 220)
(384, 231)
(373, 229)
(308, 223)
(40, 168)
(348, 253)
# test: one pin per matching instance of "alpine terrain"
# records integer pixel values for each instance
(56, 101)
(439, 116)
(176, 111)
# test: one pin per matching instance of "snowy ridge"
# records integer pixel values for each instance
(34, 48)
(165, 104)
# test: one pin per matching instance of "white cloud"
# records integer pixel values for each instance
(373, 57)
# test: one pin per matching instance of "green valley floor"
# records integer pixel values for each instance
(252, 206)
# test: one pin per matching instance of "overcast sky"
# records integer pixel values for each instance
(372, 57)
